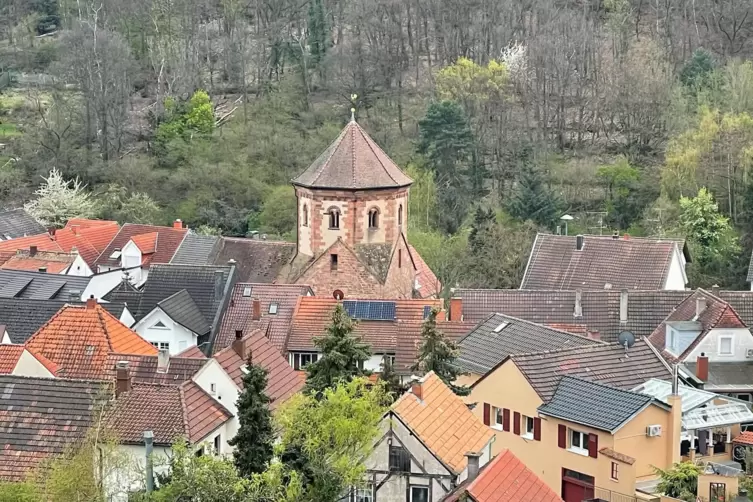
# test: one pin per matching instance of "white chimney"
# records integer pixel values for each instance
(163, 360)
(578, 311)
(624, 305)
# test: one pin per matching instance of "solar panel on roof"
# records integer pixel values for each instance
(427, 311)
(370, 310)
(47, 289)
(14, 286)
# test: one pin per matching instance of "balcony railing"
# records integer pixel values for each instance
(604, 495)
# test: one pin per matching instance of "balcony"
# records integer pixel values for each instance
(604, 495)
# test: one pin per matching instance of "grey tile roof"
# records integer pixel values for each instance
(18, 223)
(593, 404)
(726, 376)
(182, 309)
(23, 317)
(631, 263)
(40, 285)
(608, 364)
(127, 293)
(196, 249)
(256, 260)
(499, 336)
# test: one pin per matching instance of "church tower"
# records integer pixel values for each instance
(353, 192)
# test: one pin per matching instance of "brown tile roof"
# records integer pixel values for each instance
(192, 352)
(87, 223)
(600, 309)
(143, 369)
(443, 422)
(624, 263)
(505, 479)
(409, 340)
(717, 314)
(170, 411)
(238, 313)
(282, 380)
(256, 260)
(606, 364)
(167, 243)
(353, 162)
(314, 314)
(79, 339)
(430, 285)
(41, 417)
(609, 452)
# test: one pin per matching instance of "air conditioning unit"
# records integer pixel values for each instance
(653, 430)
(749, 353)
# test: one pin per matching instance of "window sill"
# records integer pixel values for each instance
(333, 228)
(498, 427)
(578, 451)
(527, 436)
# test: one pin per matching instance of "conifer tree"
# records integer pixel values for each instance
(342, 354)
(437, 353)
(532, 199)
(391, 381)
(254, 441)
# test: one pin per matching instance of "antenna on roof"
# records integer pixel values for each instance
(626, 339)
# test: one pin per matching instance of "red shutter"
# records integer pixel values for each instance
(506, 420)
(537, 429)
(516, 423)
(561, 436)
(487, 414)
(593, 445)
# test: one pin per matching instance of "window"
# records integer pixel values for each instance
(527, 427)
(300, 360)
(717, 492)
(725, 345)
(399, 258)
(743, 397)
(247, 291)
(615, 471)
(305, 215)
(333, 262)
(373, 219)
(273, 308)
(419, 494)
(162, 345)
(400, 214)
(115, 254)
(399, 459)
(89, 350)
(389, 359)
(217, 444)
(334, 218)
(213, 388)
(365, 494)
(578, 442)
(159, 325)
(497, 417)
(199, 452)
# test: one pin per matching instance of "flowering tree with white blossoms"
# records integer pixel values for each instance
(58, 200)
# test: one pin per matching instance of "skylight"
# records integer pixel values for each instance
(115, 254)
(247, 291)
(501, 327)
(273, 308)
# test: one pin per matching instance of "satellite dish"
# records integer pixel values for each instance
(626, 339)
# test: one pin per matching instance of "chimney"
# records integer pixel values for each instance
(43, 270)
(615, 235)
(178, 224)
(456, 309)
(163, 360)
(474, 459)
(715, 290)
(702, 367)
(74, 229)
(51, 231)
(32, 251)
(578, 242)
(624, 306)
(578, 311)
(91, 302)
(218, 283)
(256, 310)
(700, 305)
(122, 378)
(416, 388)
(593, 335)
(675, 421)
(239, 346)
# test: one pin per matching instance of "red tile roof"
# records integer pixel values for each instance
(147, 243)
(191, 353)
(744, 438)
(143, 369)
(314, 314)
(443, 422)
(428, 282)
(86, 223)
(43, 242)
(505, 479)
(282, 380)
(9, 356)
(168, 242)
(53, 266)
(79, 338)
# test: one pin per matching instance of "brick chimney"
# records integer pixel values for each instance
(91, 302)
(32, 251)
(593, 335)
(74, 229)
(578, 242)
(578, 310)
(416, 388)
(163, 360)
(624, 306)
(239, 346)
(178, 224)
(456, 309)
(702, 367)
(256, 310)
(474, 461)
(122, 378)
(51, 231)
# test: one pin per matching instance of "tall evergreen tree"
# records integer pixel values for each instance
(254, 441)
(438, 353)
(532, 199)
(391, 380)
(342, 354)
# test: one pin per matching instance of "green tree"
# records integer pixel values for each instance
(620, 181)
(447, 143)
(679, 481)
(341, 354)
(499, 256)
(438, 353)
(278, 215)
(318, 37)
(532, 200)
(254, 441)
(391, 380)
(116, 203)
(697, 73)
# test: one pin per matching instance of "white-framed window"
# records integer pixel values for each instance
(419, 493)
(162, 345)
(247, 291)
(299, 360)
(389, 359)
(527, 427)
(362, 494)
(213, 388)
(726, 345)
(218, 444)
(273, 308)
(578, 442)
(497, 417)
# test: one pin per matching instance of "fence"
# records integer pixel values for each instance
(604, 495)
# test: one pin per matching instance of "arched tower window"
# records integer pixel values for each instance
(400, 215)
(305, 215)
(334, 218)
(373, 218)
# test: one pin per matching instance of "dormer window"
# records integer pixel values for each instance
(334, 218)
(115, 254)
(373, 219)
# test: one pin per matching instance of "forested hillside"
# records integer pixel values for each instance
(508, 114)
